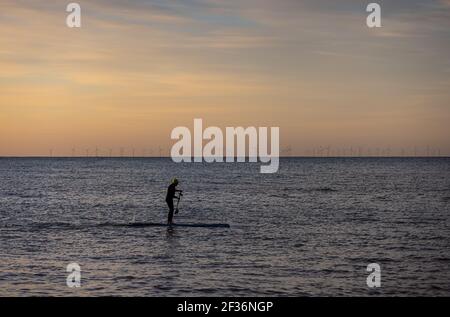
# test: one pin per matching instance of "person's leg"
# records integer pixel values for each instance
(171, 209)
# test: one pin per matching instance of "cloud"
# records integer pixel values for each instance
(287, 61)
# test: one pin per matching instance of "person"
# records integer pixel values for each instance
(171, 191)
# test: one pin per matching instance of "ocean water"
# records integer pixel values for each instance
(309, 230)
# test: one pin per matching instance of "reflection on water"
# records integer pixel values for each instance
(311, 229)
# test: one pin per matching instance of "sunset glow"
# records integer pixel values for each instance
(133, 72)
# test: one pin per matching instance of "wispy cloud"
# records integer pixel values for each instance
(289, 62)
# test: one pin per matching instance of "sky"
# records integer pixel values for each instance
(137, 69)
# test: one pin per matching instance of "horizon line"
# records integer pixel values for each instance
(235, 157)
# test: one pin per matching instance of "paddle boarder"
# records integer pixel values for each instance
(171, 191)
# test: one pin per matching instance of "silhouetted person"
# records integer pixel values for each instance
(169, 198)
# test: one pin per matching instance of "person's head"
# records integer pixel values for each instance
(175, 181)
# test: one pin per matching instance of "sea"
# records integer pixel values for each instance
(311, 229)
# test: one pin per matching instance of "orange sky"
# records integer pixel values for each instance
(135, 71)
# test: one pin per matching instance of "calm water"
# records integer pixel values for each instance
(311, 229)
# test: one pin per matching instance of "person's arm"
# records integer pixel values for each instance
(179, 195)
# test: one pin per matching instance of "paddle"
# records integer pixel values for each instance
(178, 202)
